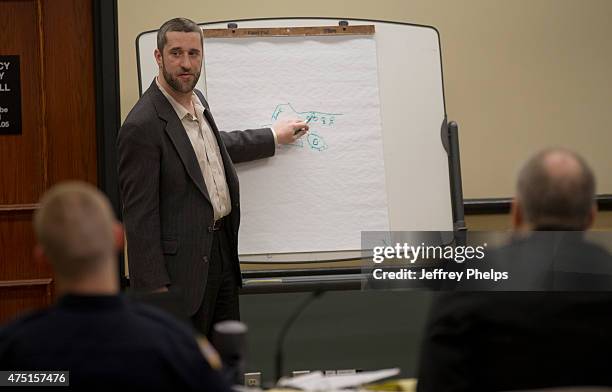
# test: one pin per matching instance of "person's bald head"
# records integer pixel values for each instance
(556, 188)
(76, 229)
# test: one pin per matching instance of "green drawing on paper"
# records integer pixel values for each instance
(316, 142)
(317, 122)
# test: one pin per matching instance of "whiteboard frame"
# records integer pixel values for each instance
(455, 192)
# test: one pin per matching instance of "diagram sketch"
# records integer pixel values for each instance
(318, 122)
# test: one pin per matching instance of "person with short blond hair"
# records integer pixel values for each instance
(77, 233)
(100, 337)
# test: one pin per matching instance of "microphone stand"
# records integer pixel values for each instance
(283, 332)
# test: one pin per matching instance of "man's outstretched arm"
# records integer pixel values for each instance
(252, 144)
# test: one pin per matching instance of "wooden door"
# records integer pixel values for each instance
(54, 42)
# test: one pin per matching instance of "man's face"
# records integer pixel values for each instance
(181, 60)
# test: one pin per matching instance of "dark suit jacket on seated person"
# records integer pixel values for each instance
(108, 341)
(546, 260)
(496, 341)
(167, 209)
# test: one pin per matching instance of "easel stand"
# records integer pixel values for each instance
(450, 141)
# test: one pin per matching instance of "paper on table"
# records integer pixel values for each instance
(316, 381)
(321, 192)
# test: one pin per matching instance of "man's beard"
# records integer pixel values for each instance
(179, 86)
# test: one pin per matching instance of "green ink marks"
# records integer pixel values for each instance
(316, 142)
(317, 121)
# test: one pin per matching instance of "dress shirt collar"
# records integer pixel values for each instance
(180, 110)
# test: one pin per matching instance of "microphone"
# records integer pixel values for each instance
(229, 338)
(283, 332)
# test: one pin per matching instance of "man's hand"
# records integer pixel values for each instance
(288, 131)
(163, 289)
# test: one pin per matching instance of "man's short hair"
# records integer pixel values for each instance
(75, 227)
(177, 24)
(556, 187)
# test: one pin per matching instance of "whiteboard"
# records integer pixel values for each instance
(411, 98)
(310, 193)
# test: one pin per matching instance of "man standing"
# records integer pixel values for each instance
(181, 204)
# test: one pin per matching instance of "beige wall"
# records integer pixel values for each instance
(519, 75)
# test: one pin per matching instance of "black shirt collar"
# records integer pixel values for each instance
(91, 302)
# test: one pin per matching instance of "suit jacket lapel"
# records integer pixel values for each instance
(215, 130)
(179, 138)
(213, 126)
(230, 171)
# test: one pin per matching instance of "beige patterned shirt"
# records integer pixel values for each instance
(206, 150)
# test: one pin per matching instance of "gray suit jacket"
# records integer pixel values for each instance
(166, 207)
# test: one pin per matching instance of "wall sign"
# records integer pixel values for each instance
(10, 96)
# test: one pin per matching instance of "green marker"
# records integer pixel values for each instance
(301, 129)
